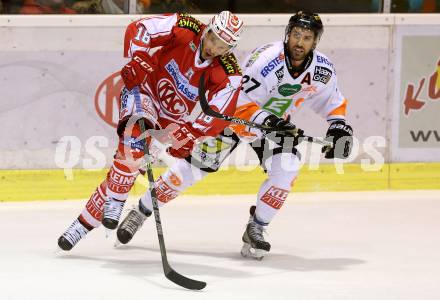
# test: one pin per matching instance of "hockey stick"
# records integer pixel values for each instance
(207, 110)
(170, 273)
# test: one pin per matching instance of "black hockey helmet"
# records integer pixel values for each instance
(307, 20)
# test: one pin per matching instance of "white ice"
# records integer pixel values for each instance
(342, 246)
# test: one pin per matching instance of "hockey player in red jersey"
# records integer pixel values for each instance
(161, 88)
(278, 79)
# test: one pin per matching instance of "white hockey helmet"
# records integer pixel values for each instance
(227, 27)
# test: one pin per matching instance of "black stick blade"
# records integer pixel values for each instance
(183, 281)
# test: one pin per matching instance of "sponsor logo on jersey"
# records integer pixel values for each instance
(181, 82)
(169, 99)
(189, 22)
(310, 88)
(189, 73)
(279, 74)
(272, 64)
(323, 60)
(256, 53)
(322, 74)
(277, 106)
(229, 64)
(107, 99)
(289, 89)
(192, 46)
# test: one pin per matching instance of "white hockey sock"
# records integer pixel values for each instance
(282, 170)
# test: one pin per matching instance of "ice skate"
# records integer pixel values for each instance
(254, 244)
(72, 235)
(132, 223)
(112, 213)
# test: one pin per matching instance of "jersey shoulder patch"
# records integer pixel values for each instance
(324, 69)
(189, 22)
(230, 65)
(324, 60)
(255, 54)
(275, 62)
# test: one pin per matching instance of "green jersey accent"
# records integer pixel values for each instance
(277, 106)
(289, 89)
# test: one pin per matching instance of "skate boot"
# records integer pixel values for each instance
(112, 212)
(132, 223)
(254, 244)
(72, 235)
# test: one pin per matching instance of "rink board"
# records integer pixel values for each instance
(24, 185)
(71, 68)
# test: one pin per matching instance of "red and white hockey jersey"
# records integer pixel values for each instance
(177, 69)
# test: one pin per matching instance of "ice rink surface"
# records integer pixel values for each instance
(351, 245)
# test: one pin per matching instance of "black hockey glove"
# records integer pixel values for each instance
(341, 135)
(283, 127)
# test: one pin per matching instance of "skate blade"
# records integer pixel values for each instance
(58, 251)
(249, 252)
(117, 244)
(108, 233)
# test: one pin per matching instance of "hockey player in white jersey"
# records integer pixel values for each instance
(278, 78)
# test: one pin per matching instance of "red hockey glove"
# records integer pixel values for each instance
(134, 73)
(183, 140)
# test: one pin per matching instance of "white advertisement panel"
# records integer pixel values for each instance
(416, 129)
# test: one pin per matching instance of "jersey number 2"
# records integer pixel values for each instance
(255, 83)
